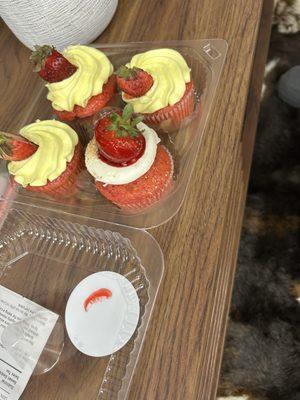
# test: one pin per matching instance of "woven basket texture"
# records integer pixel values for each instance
(57, 22)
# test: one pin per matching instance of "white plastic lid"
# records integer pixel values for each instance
(102, 313)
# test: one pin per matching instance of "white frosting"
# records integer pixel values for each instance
(108, 174)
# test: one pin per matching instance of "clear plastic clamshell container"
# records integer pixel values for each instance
(48, 246)
(43, 258)
(205, 58)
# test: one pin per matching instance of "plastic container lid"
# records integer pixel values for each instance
(102, 313)
(43, 258)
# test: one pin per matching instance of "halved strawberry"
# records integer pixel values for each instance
(134, 81)
(51, 65)
(118, 139)
(95, 103)
(15, 148)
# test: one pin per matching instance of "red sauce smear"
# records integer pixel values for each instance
(96, 296)
(123, 164)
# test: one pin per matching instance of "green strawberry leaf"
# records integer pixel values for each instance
(111, 127)
(114, 117)
(136, 120)
(124, 125)
(132, 131)
(123, 72)
(127, 112)
(127, 73)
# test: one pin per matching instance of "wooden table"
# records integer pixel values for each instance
(183, 348)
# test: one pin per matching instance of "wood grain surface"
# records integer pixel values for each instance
(183, 348)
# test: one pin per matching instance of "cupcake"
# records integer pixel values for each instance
(158, 85)
(130, 167)
(49, 161)
(80, 81)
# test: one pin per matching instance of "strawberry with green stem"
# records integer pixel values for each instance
(52, 66)
(121, 143)
(15, 148)
(119, 140)
(134, 82)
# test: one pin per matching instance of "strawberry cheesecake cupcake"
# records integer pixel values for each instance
(80, 80)
(158, 85)
(130, 167)
(47, 158)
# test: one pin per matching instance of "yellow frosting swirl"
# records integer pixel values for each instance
(170, 74)
(56, 142)
(93, 71)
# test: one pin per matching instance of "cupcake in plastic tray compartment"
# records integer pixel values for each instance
(178, 127)
(43, 258)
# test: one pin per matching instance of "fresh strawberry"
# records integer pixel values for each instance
(15, 148)
(51, 65)
(119, 140)
(134, 81)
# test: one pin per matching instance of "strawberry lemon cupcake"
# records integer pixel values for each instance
(158, 85)
(46, 158)
(130, 167)
(80, 80)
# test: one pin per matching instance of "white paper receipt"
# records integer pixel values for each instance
(25, 328)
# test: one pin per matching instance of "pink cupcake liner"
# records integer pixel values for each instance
(65, 184)
(169, 118)
(145, 200)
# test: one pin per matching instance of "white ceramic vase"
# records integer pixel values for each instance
(57, 22)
